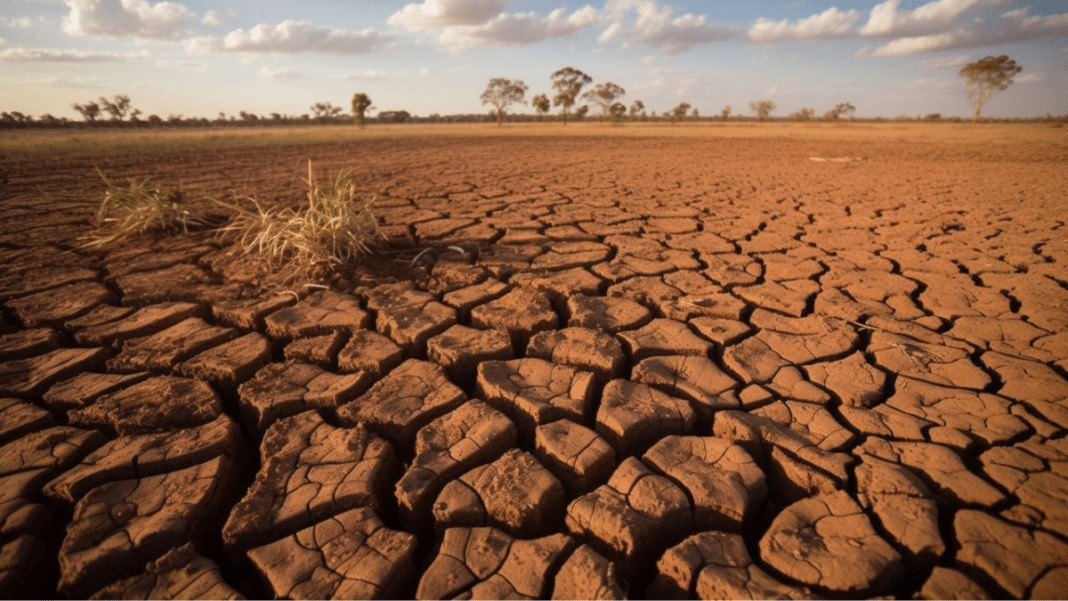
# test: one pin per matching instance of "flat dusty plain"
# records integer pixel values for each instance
(587, 362)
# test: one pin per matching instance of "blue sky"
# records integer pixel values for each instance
(200, 57)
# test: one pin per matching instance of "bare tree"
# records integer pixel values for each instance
(90, 110)
(501, 92)
(568, 83)
(987, 76)
(360, 103)
(762, 108)
(541, 104)
(840, 110)
(604, 95)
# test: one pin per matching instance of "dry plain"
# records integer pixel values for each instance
(717, 361)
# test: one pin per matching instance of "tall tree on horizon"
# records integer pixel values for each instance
(987, 76)
(501, 92)
(360, 103)
(568, 83)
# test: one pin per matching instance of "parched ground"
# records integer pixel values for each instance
(716, 362)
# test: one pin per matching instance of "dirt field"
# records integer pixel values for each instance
(707, 361)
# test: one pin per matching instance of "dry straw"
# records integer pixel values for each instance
(140, 209)
(309, 242)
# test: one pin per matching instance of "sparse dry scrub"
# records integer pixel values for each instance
(143, 208)
(308, 243)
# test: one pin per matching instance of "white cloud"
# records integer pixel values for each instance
(21, 23)
(55, 55)
(368, 75)
(656, 25)
(2, 41)
(58, 82)
(1012, 27)
(120, 18)
(212, 18)
(1030, 78)
(437, 14)
(887, 21)
(520, 29)
(283, 73)
(183, 64)
(951, 62)
(292, 37)
(831, 23)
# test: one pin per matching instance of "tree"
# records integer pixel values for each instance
(636, 108)
(568, 83)
(501, 92)
(90, 110)
(117, 108)
(360, 103)
(762, 108)
(696, 114)
(581, 112)
(541, 104)
(618, 111)
(325, 110)
(679, 112)
(604, 95)
(987, 76)
(394, 116)
(805, 114)
(840, 110)
(726, 112)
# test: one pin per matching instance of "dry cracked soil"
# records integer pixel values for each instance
(597, 366)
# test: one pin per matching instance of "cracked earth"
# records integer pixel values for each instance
(586, 367)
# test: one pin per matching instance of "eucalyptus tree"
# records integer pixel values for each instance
(987, 76)
(568, 83)
(501, 92)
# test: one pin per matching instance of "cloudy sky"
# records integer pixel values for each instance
(200, 57)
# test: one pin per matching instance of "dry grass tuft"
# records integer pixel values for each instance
(142, 208)
(310, 242)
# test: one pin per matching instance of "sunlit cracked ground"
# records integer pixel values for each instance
(669, 362)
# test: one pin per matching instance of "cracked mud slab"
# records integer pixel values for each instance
(641, 366)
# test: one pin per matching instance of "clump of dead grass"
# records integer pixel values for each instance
(142, 208)
(308, 243)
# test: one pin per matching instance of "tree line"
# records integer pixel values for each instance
(984, 78)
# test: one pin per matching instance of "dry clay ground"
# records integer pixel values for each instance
(697, 364)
